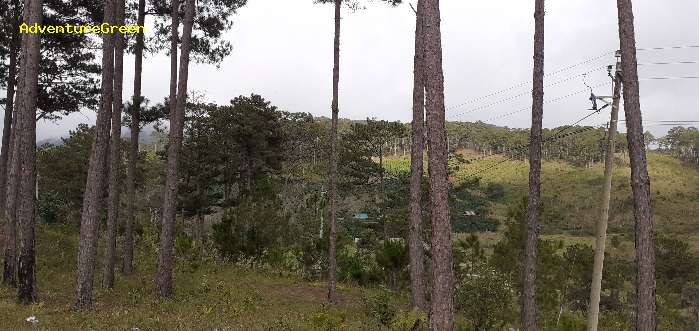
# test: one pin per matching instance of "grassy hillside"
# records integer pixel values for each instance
(571, 195)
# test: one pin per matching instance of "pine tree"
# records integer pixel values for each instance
(94, 188)
(640, 182)
(529, 309)
(167, 235)
(442, 309)
(417, 254)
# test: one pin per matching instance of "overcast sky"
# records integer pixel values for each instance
(283, 51)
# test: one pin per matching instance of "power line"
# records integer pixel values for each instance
(667, 63)
(575, 65)
(586, 61)
(667, 48)
(670, 78)
(547, 102)
(525, 83)
(517, 96)
(666, 121)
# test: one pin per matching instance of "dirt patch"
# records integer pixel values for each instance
(309, 294)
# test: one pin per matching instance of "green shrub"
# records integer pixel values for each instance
(183, 244)
(392, 256)
(329, 319)
(248, 230)
(475, 224)
(495, 191)
(379, 305)
(409, 321)
(485, 298)
(51, 207)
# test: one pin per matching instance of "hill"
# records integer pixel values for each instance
(571, 194)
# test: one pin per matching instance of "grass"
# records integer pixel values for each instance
(571, 195)
(215, 295)
(212, 296)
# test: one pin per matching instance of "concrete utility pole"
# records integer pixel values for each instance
(593, 310)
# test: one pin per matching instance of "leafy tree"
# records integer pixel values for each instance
(252, 227)
(682, 142)
(485, 298)
(62, 170)
(676, 266)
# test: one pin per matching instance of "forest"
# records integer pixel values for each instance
(187, 213)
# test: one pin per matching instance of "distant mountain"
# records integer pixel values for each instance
(50, 141)
(146, 137)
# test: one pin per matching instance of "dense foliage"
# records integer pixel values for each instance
(253, 185)
(683, 143)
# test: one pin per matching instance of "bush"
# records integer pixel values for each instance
(51, 208)
(485, 298)
(248, 230)
(392, 256)
(475, 224)
(357, 265)
(409, 321)
(183, 244)
(329, 319)
(313, 257)
(495, 191)
(379, 306)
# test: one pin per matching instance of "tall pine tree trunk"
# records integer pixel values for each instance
(9, 107)
(96, 173)
(127, 267)
(442, 310)
(416, 251)
(640, 183)
(529, 308)
(10, 253)
(26, 204)
(167, 235)
(115, 151)
(332, 250)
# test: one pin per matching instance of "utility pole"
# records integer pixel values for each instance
(593, 309)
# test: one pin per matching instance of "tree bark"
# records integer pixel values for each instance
(94, 187)
(384, 220)
(332, 251)
(115, 151)
(26, 204)
(416, 251)
(442, 310)
(127, 267)
(9, 108)
(529, 307)
(165, 256)
(10, 254)
(600, 242)
(198, 228)
(640, 183)
(174, 40)
(10, 263)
